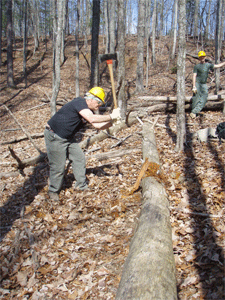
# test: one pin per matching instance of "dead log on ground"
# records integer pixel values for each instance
(41, 158)
(149, 270)
(210, 105)
(22, 138)
(174, 99)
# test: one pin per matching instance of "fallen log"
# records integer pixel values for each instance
(22, 138)
(83, 144)
(149, 270)
(41, 158)
(210, 105)
(104, 134)
(174, 99)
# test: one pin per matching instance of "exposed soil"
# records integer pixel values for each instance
(76, 249)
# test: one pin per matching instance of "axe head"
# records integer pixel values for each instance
(107, 56)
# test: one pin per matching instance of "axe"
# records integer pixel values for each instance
(109, 59)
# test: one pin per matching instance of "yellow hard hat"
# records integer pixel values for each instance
(98, 92)
(201, 54)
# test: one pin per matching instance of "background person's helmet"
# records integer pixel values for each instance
(201, 54)
(98, 92)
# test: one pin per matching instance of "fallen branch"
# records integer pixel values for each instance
(27, 134)
(37, 106)
(22, 138)
(41, 158)
(84, 144)
(121, 141)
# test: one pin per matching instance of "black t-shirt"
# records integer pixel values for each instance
(67, 121)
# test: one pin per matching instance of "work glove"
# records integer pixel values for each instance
(115, 115)
(194, 90)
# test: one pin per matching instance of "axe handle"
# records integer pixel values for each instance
(110, 66)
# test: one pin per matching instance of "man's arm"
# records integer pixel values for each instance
(98, 121)
(219, 65)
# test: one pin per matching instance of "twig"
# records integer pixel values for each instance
(159, 125)
(183, 211)
(34, 107)
(156, 120)
(121, 141)
(27, 134)
(45, 93)
(139, 120)
(111, 136)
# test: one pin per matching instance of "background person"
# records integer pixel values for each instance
(200, 89)
(60, 141)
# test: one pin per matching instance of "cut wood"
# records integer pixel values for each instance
(149, 270)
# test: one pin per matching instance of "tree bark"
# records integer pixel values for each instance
(174, 29)
(196, 19)
(10, 80)
(112, 25)
(140, 46)
(25, 43)
(149, 270)
(154, 33)
(94, 43)
(122, 103)
(77, 48)
(180, 115)
(0, 33)
(57, 54)
(218, 42)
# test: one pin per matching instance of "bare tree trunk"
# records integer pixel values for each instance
(77, 48)
(196, 18)
(122, 103)
(161, 18)
(35, 21)
(140, 46)
(181, 76)
(218, 42)
(0, 33)
(174, 30)
(10, 80)
(147, 35)
(94, 43)
(62, 56)
(112, 29)
(207, 21)
(25, 42)
(129, 18)
(154, 33)
(57, 54)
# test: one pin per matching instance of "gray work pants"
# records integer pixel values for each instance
(58, 150)
(200, 98)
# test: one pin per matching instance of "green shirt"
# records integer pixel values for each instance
(202, 71)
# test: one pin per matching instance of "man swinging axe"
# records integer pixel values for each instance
(60, 141)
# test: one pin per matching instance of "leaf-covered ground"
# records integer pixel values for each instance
(76, 249)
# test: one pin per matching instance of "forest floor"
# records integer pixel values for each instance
(77, 249)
